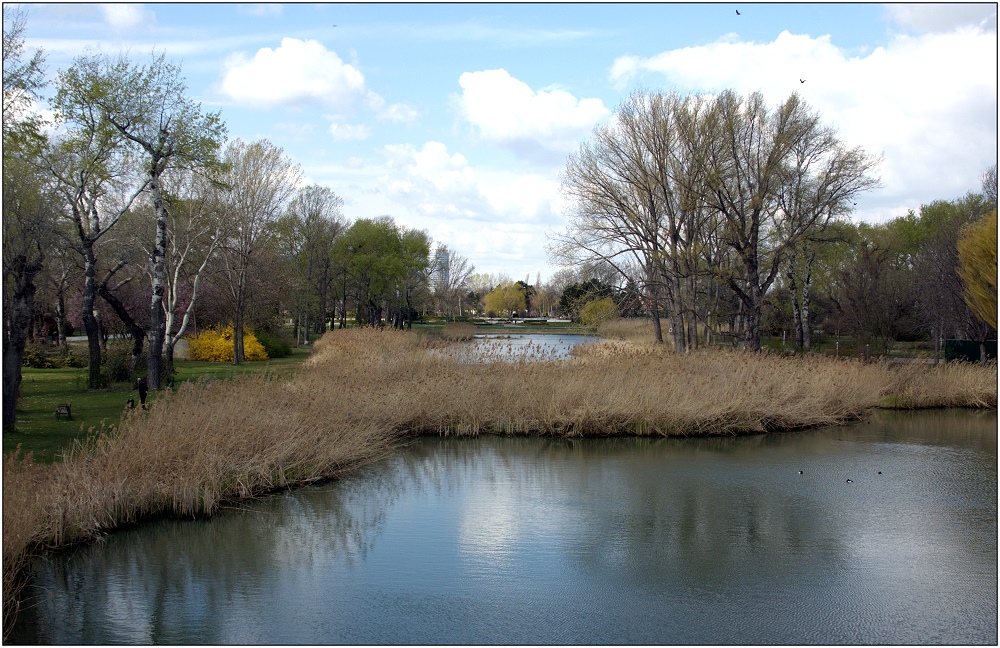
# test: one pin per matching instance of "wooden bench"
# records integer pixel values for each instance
(63, 410)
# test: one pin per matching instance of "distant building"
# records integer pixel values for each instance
(439, 269)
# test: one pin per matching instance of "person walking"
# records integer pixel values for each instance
(143, 390)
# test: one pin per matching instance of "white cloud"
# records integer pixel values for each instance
(342, 132)
(395, 112)
(928, 102)
(498, 219)
(508, 111)
(296, 72)
(774, 67)
(943, 17)
(123, 17)
(435, 181)
(398, 113)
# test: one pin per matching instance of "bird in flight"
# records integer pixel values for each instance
(802, 80)
(738, 13)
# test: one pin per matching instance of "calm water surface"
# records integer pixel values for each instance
(520, 346)
(537, 541)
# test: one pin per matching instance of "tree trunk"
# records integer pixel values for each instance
(238, 332)
(238, 355)
(136, 331)
(796, 304)
(806, 325)
(17, 324)
(61, 318)
(168, 362)
(752, 299)
(807, 302)
(90, 324)
(157, 321)
(677, 334)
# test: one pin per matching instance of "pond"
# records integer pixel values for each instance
(512, 347)
(887, 535)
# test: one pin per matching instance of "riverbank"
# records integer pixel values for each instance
(364, 391)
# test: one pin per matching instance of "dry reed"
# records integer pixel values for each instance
(364, 390)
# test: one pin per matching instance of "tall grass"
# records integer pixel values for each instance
(364, 390)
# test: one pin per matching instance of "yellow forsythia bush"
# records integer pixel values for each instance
(216, 345)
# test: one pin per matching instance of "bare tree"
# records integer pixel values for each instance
(616, 216)
(639, 204)
(195, 226)
(775, 177)
(450, 273)
(989, 180)
(260, 180)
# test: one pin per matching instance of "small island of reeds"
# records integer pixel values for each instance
(365, 391)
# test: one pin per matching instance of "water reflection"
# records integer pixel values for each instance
(516, 540)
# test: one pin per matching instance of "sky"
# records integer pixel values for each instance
(457, 118)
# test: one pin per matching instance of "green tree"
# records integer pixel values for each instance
(28, 211)
(507, 298)
(977, 253)
(93, 173)
(22, 81)
(577, 294)
(387, 268)
(935, 264)
(414, 286)
(875, 292)
(306, 235)
(148, 105)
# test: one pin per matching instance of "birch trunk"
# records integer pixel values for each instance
(157, 322)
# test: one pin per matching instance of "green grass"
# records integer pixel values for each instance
(38, 431)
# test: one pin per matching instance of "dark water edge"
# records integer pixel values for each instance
(501, 540)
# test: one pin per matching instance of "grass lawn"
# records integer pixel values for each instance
(39, 432)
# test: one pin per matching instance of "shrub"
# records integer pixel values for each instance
(275, 345)
(37, 356)
(597, 311)
(74, 355)
(216, 345)
(115, 362)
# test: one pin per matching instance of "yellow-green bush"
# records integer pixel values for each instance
(216, 345)
(598, 311)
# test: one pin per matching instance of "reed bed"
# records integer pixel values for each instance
(632, 329)
(364, 390)
(458, 331)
